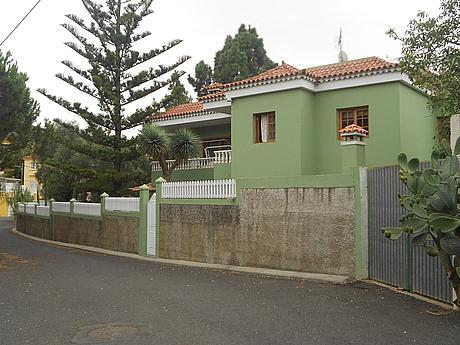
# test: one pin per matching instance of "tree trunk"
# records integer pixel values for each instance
(449, 266)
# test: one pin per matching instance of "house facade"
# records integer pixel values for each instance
(286, 121)
(30, 181)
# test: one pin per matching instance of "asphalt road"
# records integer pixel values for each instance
(51, 295)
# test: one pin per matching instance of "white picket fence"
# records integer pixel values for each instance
(63, 207)
(212, 189)
(43, 211)
(90, 209)
(122, 204)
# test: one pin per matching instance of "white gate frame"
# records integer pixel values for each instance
(151, 226)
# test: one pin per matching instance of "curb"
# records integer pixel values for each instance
(318, 277)
(441, 304)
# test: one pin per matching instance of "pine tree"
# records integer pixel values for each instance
(114, 82)
(203, 78)
(242, 56)
(177, 92)
(18, 111)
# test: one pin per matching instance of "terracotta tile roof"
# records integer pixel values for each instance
(179, 111)
(317, 74)
(370, 64)
(151, 186)
(353, 129)
(214, 86)
(213, 96)
(281, 71)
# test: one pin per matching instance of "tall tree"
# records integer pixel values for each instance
(242, 56)
(177, 92)
(18, 111)
(431, 55)
(114, 82)
(203, 78)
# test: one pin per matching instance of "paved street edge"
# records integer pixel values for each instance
(336, 279)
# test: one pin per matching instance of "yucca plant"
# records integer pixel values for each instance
(433, 208)
(159, 145)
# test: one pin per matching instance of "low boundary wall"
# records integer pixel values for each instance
(113, 232)
(299, 224)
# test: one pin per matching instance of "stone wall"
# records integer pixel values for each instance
(117, 233)
(301, 229)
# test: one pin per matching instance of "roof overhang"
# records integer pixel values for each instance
(198, 120)
(328, 85)
(220, 106)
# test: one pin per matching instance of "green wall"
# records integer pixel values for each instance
(187, 175)
(383, 144)
(279, 158)
(213, 132)
(306, 129)
(414, 111)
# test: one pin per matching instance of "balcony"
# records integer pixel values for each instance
(220, 157)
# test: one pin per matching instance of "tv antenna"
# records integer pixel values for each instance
(343, 57)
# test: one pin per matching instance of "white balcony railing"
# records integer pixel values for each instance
(198, 163)
(222, 157)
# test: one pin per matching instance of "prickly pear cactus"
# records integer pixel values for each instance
(433, 207)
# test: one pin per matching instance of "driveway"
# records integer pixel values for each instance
(51, 295)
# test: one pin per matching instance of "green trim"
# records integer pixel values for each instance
(358, 225)
(200, 201)
(143, 222)
(306, 181)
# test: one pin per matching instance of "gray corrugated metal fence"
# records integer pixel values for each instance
(397, 262)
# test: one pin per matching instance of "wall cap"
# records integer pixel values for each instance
(144, 187)
(104, 195)
(354, 142)
(160, 180)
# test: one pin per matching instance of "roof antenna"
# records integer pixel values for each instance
(343, 57)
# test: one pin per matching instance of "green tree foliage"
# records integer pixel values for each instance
(19, 195)
(203, 78)
(66, 174)
(159, 145)
(115, 80)
(431, 55)
(242, 56)
(18, 111)
(433, 208)
(177, 92)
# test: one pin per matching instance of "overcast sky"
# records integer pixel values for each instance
(302, 33)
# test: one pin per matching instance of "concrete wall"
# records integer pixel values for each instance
(301, 229)
(117, 233)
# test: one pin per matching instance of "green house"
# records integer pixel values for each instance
(286, 121)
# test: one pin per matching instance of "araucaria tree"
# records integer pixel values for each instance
(18, 111)
(114, 81)
(432, 208)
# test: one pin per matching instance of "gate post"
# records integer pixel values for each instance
(143, 201)
(158, 190)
